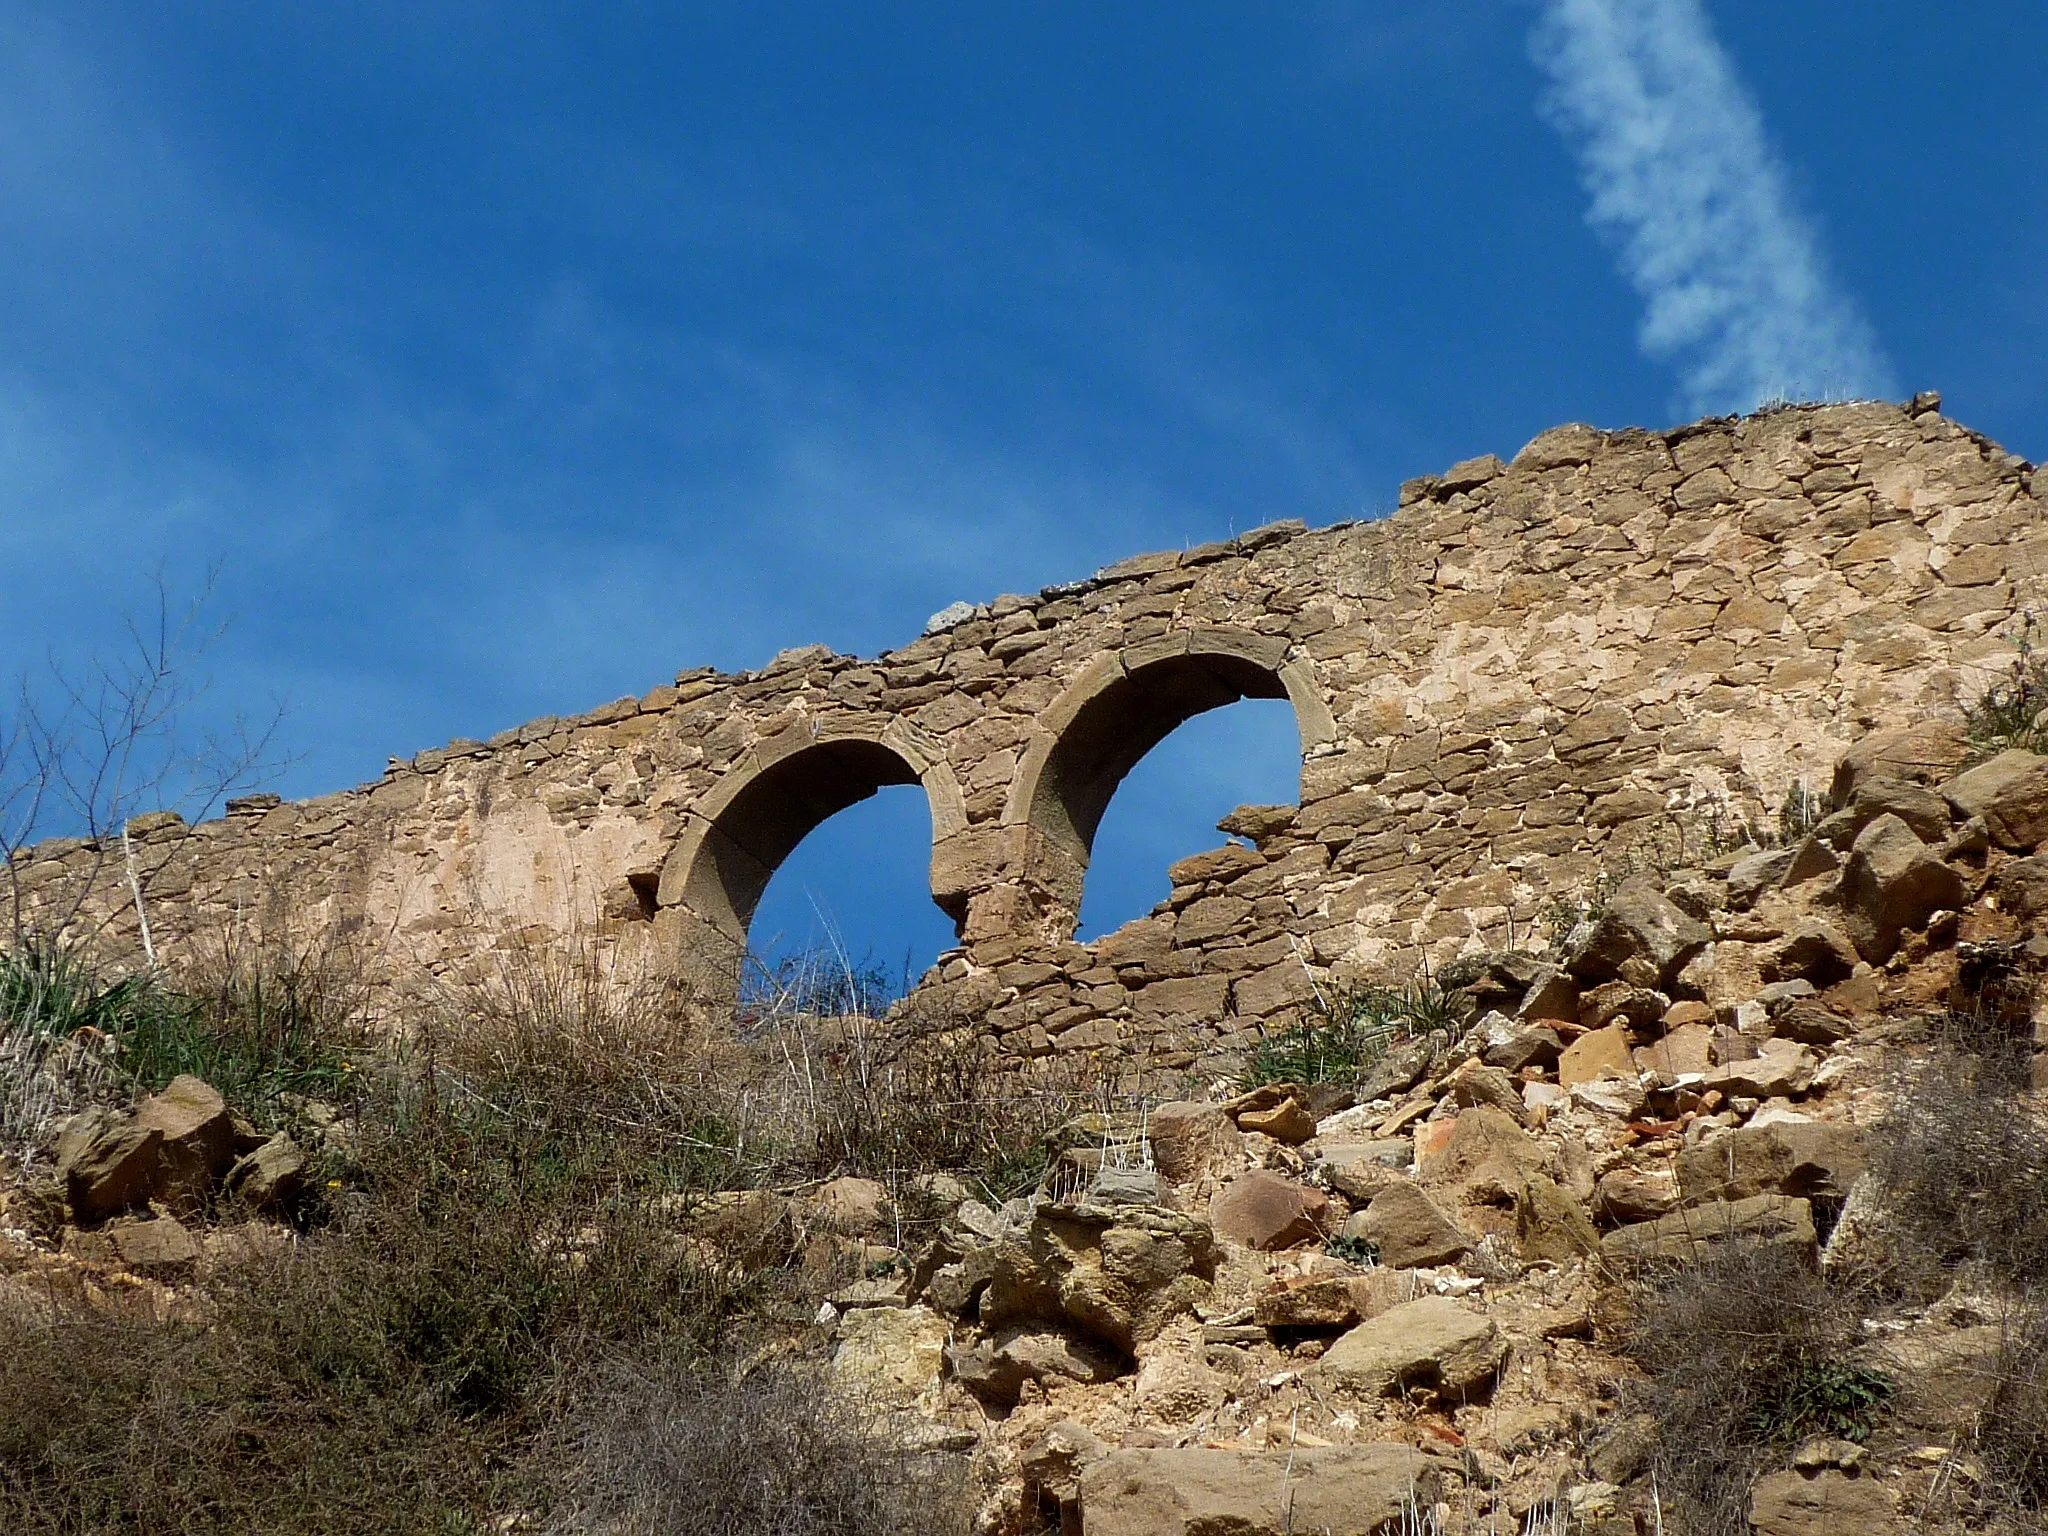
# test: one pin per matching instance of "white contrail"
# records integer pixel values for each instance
(1682, 178)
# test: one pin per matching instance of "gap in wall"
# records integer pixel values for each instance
(1247, 753)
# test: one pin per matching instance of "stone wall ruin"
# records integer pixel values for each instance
(1528, 668)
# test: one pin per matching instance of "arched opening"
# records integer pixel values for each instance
(847, 923)
(1167, 807)
(1116, 712)
(740, 834)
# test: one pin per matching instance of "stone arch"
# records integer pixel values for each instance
(780, 791)
(1121, 706)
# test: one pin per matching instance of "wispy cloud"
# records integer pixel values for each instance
(1684, 181)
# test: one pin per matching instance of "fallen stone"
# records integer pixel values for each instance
(1189, 1138)
(1692, 1235)
(1483, 1158)
(1554, 994)
(1346, 1490)
(1550, 1224)
(1396, 1072)
(1331, 1301)
(1433, 1345)
(1265, 1211)
(1117, 1273)
(1686, 1050)
(1921, 808)
(853, 1207)
(1597, 1053)
(1813, 1159)
(1780, 1069)
(1622, 1097)
(1812, 951)
(1639, 923)
(1410, 1229)
(269, 1178)
(1512, 1045)
(2010, 793)
(1826, 1503)
(161, 1249)
(895, 1353)
(1174, 1389)
(995, 1370)
(1361, 1169)
(198, 1139)
(1811, 860)
(1474, 1084)
(1635, 1194)
(1289, 1122)
(1617, 1002)
(1752, 876)
(109, 1165)
(1926, 753)
(1893, 882)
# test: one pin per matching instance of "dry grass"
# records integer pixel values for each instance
(680, 1450)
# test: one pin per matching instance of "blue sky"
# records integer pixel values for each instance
(504, 359)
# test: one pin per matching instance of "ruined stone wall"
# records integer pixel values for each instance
(1614, 639)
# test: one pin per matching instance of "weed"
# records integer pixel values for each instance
(1362, 1251)
(1826, 1396)
(1348, 1032)
(2013, 711)
(1802, 809)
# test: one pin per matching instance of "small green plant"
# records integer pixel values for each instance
(2013, 711)
(1820, 1396)
(1362, 1251)
(1347, 1032)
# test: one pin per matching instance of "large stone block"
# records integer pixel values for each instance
(1339, 1490)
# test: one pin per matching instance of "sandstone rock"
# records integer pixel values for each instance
(1617, 1002)
(1189, 1138)
(1635, 1194)
(1174, 1389)
(1811, 860)
(1512, 1045)
(995, 1370)
(1827, 1503)
(1921, 808)
(1780, 1069)
(1638, 923)
(1288, 1122)
(1347, 1490)
(1686, 1050)
(1554, 994)
(157, 1250)
(1814, 1159)
(1361, 1169)
(2023, 887)
(1622, 1097)
(109, 1165)
(1119, 1274)
(1331, 1301)
(1052, 1469)
(1267, 1212)
(2010, 793)
(1433, 1344)
(1483, 1158)
(1756, 874)
(1550, 1224)
(1396, 1072)
(1892, 882)
(853, 1207)
(1812, 951)
(1474, 1084)
(269, 1178)
(1689, 1236)
(1595, 1054)
(198, 1139)
(1409, 1228)
(1926, 753)
(893, 1352)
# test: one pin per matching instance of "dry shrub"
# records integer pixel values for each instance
(1960, 1164)
(2012, 1433)
(664, 1448)
(1746, 1353)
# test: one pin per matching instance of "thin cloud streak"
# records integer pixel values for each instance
(1683, 180)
